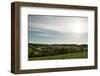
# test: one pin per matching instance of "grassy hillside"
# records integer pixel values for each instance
(62, 56)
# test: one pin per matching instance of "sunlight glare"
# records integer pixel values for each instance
(78, 28)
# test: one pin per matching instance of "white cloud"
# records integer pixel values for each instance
(69, 24)
(44, 35)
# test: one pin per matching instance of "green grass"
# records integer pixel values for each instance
(63, 56)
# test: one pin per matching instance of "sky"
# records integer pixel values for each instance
(46, 29)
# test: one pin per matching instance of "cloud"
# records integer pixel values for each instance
(60, 24)
(49, 29)
(45, 35)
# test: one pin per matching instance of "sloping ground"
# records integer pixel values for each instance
(63, 56)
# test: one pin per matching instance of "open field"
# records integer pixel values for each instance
(63, 56)
(57, 51)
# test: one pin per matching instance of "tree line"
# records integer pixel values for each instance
(41, 50)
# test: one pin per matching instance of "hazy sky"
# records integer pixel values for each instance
(57, 29)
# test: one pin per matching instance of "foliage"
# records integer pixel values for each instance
(44, 50)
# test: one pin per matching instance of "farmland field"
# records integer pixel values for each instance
(57, 51)
(63, 56)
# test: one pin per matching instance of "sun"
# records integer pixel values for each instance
(78, 28)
